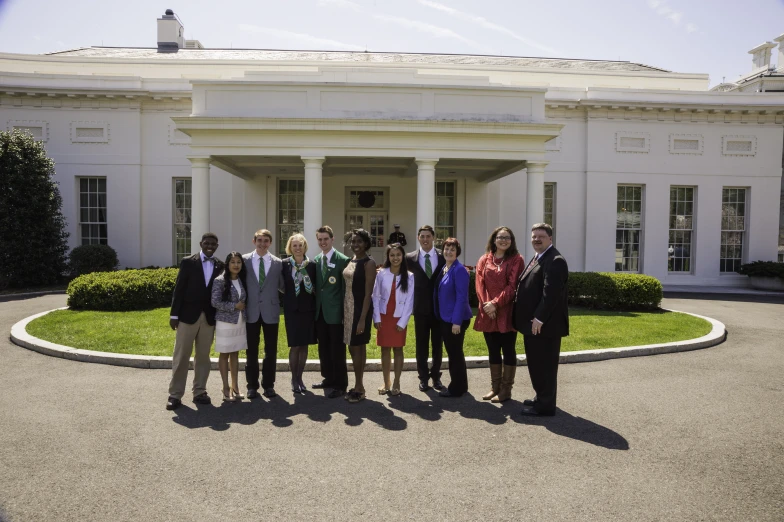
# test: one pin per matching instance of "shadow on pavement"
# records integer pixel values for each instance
(577, 428)
(738, 298)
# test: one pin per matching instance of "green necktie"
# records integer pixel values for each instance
(428, 266)
(323, 266)
(262, 275)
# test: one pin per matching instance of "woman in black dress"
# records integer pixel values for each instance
(299, 307)
(360, 276)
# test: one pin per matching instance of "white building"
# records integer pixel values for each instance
(639, 169)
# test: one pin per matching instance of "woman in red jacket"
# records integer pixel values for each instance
(496, 279)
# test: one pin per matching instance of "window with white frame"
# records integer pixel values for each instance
(549, 205)
(182, 219)
(92, 211)
(679, 251)
(291, 210)
(628, 228)
(733, 228)
(445, 211)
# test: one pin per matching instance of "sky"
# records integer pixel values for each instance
(694, 36)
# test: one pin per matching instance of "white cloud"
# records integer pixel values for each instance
(484, 22)
(304, 38)
(662, 8)
(345, 4)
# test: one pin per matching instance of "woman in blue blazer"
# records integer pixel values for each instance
(451, 304)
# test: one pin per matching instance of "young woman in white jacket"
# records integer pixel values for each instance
(393, 304)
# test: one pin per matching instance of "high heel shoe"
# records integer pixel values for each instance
(226, 396)
(295, 387)
(237, 395)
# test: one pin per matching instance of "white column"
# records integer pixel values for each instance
(200, 200)
(426, 192)
(313, 200)
(534, 204)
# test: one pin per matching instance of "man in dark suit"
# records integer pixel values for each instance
(193, 318)
(542, 316)
(330, 290)
(425, 262)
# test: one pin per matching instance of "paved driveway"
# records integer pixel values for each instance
(688, 436)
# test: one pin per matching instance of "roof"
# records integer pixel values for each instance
(136, 53)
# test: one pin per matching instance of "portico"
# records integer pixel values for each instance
(338, 135)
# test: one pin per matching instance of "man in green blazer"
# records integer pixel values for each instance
(330, 288)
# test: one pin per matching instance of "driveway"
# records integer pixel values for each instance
(687, 436)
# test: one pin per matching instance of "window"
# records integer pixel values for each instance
(681, 229)
(733, 228)
(92, 211)
(628, 228)
(291, 210)
(549, 205)
(445, 211)
(182, 219)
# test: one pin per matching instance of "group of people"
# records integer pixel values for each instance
(336, 301)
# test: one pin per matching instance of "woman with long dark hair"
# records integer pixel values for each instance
(228, 297)
(360, 277)
(393, 304)
(496, 282)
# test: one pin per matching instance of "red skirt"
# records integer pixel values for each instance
(388, 336)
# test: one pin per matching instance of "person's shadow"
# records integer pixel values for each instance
(577, 428)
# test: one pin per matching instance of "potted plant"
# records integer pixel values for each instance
(764, 275)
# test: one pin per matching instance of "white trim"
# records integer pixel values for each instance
(31, 124)
(646, 144)
(726, 140)
(76, 125)
(687, 137)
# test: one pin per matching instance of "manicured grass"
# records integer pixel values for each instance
(148, 332)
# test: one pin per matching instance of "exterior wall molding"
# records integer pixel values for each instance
(687, 143)
(42, 134)
(734, 145)
(177, 137)
(90, 132)
(634, 142)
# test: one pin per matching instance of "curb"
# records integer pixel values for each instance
(20, 337)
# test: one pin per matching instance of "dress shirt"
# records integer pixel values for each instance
(207, 267)
(433, 259)
(328, 255)
(538, 256)
(267, 263)
(237, 286)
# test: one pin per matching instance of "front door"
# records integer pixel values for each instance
(367, 209)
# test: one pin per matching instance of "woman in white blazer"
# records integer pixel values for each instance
(393, 304)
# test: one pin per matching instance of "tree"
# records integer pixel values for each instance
(31, 221)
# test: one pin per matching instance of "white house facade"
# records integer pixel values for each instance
(637, 168)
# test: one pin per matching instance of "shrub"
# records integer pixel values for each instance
(123, 290)
(86, 259)
(763, 269)
(611, 291)
(31, 221)
(473, 300)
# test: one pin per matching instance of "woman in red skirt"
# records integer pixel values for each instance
(393, 303)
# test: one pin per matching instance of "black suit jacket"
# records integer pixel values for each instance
(304, 302)
(191, 296)
(542, 293)
(423, 287)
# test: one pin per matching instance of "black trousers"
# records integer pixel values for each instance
(542, 355)
(253, 332)
(427, 329)
(458, 374)
(498, 342)
(332, 354)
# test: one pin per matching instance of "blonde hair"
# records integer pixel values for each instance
(296, 237)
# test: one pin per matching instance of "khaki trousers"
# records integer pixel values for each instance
(201, 333)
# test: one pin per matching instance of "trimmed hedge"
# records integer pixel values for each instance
(123, 290)
(86, 259)
(613, 291)
(763, 269)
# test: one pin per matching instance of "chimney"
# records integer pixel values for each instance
(170, 33)
(780, 61)
(760, 56)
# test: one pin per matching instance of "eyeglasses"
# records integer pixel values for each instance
(503, 238)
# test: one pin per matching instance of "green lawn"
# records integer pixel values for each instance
(148, 332)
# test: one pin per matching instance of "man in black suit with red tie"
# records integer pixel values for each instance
(542, 316)
(193, 318)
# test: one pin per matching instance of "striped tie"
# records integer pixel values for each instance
(262, 275)
(428, 266)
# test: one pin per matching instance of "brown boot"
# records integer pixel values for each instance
(507, 381)
(495, 381)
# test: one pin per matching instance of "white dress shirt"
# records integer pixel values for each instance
(267, 263)
(433, 259)
(207, 267)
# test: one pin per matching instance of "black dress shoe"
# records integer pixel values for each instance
(173, 404)
(321, 385)
(531, 412)
(252, 394)
(437, 384)
(529, 402)
(446, 393)
(334, 394)
(202, 399)
(423, 385)
(270, 393)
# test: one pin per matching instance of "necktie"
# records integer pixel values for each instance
(262, 275)
(428, 266)
(323, 267)
(531, 265)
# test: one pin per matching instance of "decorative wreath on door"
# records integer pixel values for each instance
(367, 199)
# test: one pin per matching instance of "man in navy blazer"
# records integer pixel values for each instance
(541, 314)
(193, 318)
